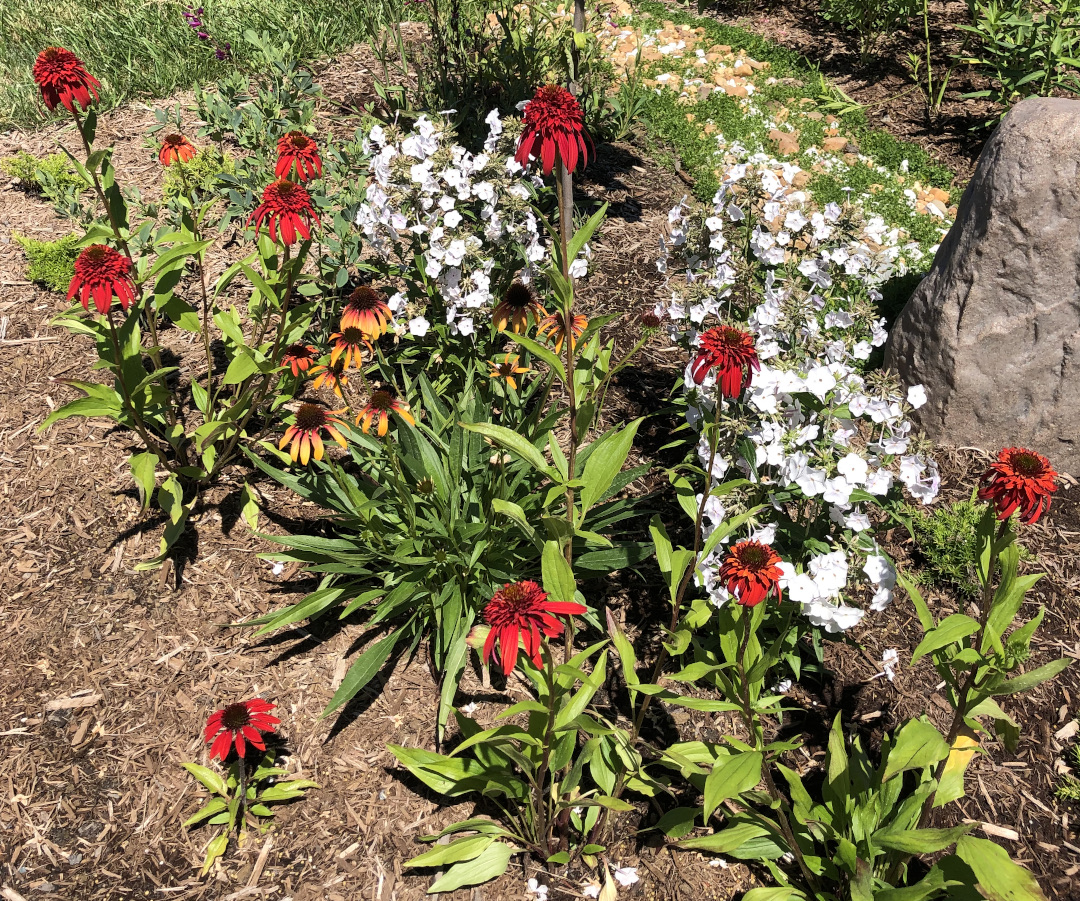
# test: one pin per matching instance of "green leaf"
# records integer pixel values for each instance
(1030, 680)
(678, 822)
(213, 806)
(363, 670)
(606, 460)
(491, 863)
(514, 443)
(242, 367)
(582, 235)
(726, 841)
(917, 744)
(249, 507)
(142, 470)
(999, 878)
(544, 353)
(919, 841)
(211, 780)
(558, 577)
(731, 778)
(625, 650)
(462, 849)
(952, 628)
(926, 618)
(779, 893)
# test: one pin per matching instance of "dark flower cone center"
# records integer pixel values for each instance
(299, 141)
(235, 717)
(754, 558)
(299, 352)
(364, 299)
(518, 296)
(1027, 465)
(285, 189)
(173, 140)
(310, 417)
(352, 336)
(95, 254)
(382, 401)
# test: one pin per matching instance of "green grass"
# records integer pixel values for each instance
(794, 80)
(145, 49)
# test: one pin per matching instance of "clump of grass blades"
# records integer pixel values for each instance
(139, 49)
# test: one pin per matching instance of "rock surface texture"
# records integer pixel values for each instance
(992, 331)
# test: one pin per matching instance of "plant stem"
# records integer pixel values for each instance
(960, 712)
(753, 724)
(540, 796)
(241, 770)
(565, 185)
(136, 419)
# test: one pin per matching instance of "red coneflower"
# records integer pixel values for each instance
(100, 273)
(299, 357)
(507, 369)
(730, 351)
(1019, 479)
(239, 724)
(286, 207)
(515, 307)
(751, 572)
(520, 612)
(304, 436)
(554, 124)
(62, 78)
(348, 344)
(175, 147)
(553, 325)
(367, 310)
(298, 154)
(381, 404)
(333, 377)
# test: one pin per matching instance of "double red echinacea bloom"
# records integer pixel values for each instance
(62, 78)
(102, 273)
(1019, 479)
(751, 573)
(554, 125)
(304, 435)
(239, 724)
(521, 611)
(286, 208)
(298, 157)
(175, 148)
(732, 353)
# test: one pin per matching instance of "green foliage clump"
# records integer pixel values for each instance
(50, 175)
(52, 263)
(1069, 787)
(946, 537)
(200, 172)
(871, 20)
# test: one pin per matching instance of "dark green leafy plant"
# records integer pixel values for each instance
(1026, 48)
(946, 537)
(871, 20)
(51, 263)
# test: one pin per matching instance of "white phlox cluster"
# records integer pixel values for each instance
(812, 427)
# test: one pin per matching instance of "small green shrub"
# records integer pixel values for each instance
(49, 175)
(871, 20)
(201, 172)
(52, 263)
(1069, 786)
(1026, 49)
(945, 536)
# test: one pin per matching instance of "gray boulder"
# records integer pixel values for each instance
(991, 332)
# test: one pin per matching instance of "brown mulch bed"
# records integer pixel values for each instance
(107, 675)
